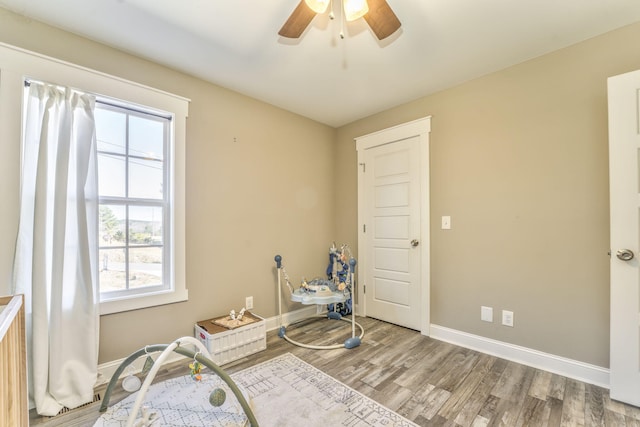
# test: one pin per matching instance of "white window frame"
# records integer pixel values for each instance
(18, 65)
(163, 203)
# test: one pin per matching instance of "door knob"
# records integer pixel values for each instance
(415, 243)
(625, 254)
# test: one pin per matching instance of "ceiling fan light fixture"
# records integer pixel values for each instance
(354, 9)
(378, 14)
(318, 6)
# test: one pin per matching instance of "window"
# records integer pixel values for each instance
(134, 207)
(141, 205)
(144, 107)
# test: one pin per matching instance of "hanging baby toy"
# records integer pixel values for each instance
(218, 395)
(337, 293)
(338, 272)
(195, 368)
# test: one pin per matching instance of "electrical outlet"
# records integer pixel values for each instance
(446, 222)
(486, 314)
(507, 318)
(248, 303)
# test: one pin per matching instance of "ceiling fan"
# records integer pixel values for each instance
(377, 13)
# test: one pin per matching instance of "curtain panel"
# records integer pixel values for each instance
(56, 250)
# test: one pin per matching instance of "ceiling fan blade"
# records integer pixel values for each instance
(381, 19)
(298, 21)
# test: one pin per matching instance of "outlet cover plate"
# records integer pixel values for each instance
(446, 222)
(507, 318)
(486, 314)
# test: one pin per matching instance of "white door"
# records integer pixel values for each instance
(393, 212)
(624, 177)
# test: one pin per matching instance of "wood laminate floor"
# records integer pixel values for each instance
(430, 382)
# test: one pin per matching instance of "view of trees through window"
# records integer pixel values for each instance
(131, 177)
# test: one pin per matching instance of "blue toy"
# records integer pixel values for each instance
(336, 292)
(338, 271)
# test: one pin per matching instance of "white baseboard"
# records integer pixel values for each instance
(298, 315)
(106, 370)
(292, 317)
(549, 362)
(570, 368)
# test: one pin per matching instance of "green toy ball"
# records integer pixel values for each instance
(217, 397)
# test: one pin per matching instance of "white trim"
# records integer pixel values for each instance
(138, 301)
(17, 64)
(402, 131)
(107, 369)
(570, 368)
(291, 317)
(82, 69)
(420, 128)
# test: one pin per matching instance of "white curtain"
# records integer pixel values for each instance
(56, 250)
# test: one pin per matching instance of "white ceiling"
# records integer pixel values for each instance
(234, 44)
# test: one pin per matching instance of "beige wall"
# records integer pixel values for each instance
(259, 180)
(519, 160)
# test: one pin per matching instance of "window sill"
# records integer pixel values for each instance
(146, 301)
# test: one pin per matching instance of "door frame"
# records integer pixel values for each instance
(417, 128)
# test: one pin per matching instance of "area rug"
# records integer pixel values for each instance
(284, 391)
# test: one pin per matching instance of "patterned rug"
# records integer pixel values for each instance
(284, 391)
